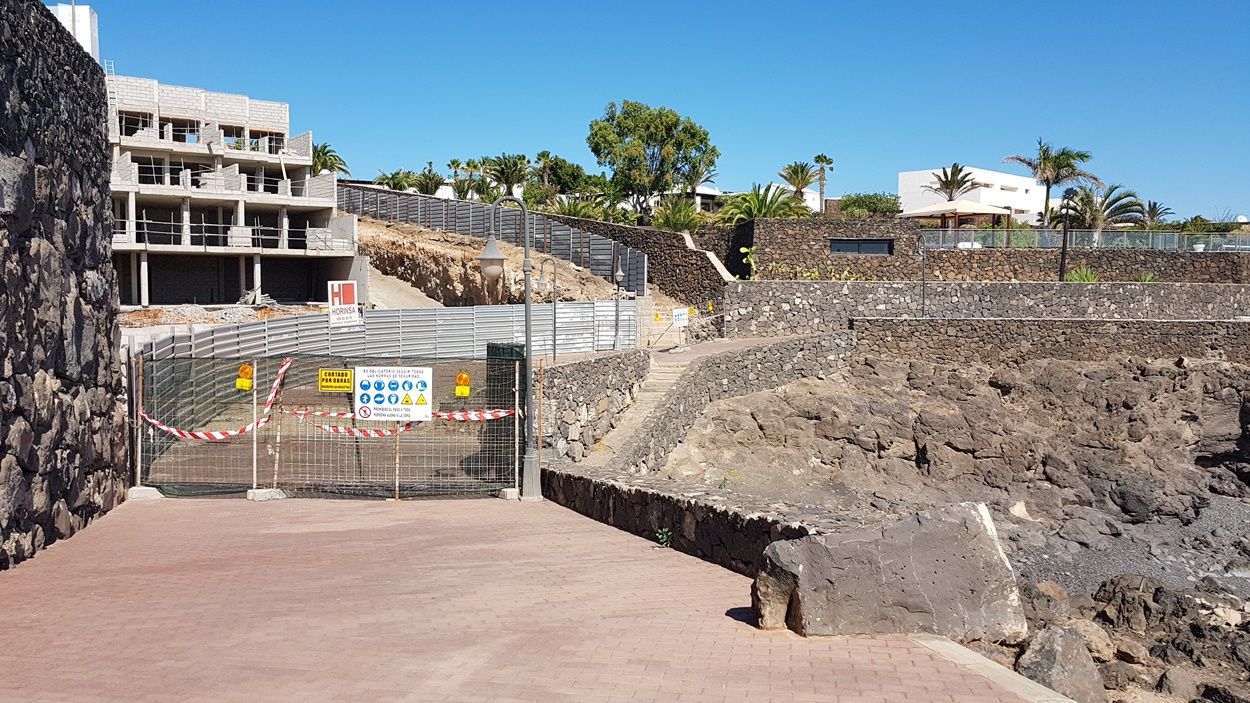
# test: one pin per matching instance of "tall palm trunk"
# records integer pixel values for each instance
(1046, 208)
(822, 190)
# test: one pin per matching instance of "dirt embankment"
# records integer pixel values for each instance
(443, 266)
(1100, 476)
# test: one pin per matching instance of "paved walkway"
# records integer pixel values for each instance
(467, 600)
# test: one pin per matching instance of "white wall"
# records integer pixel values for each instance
(81, 21)
(1022, 194)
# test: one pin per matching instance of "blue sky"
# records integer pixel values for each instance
(1158, 91)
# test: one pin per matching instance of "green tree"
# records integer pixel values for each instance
(508, 170)
(760, 203)
(542, 167)
(486, 189)
(462, 188)
(573, 207)
(799, 175)
(676, 214)
(701, 170)
(399, 179)
(454, 166)
(886, 204)
(952, 183)
(1054, 167)
(826, 164)
(428, 181)
(538, 195)
(1099, 208)
(566, 176)
(325, 158)
(1156, 214)
(647, 148)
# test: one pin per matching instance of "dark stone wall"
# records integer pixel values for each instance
(781, 308)
(580, 400)
(726, 242)
(796, 249)
(688, 275)
(62, 425)
(1005, 342)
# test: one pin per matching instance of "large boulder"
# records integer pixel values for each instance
(1057, 658)
(941, 571)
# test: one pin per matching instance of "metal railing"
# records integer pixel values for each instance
(203, 235)
(968, 238)
(600, 255)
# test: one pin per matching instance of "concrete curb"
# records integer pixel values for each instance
(266, 494)
(1003, 677)
(143, 493)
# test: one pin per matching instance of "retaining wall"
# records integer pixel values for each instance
(997, 341)
(692, 276)
(63, 423)
(794, 248)
(581, 400)
(715, 525)
(779, 308)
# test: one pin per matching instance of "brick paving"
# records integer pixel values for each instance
(464, 600)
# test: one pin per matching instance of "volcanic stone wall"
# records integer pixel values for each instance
(690, 275)
(996, 341)
(62, 425)
(791, 249)
(780, 308)
(581, 399)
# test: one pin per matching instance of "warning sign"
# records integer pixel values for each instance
(387, 393)
(334, 380)
(681, 317)
(344, 310)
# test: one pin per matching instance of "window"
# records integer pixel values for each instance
(875, 247)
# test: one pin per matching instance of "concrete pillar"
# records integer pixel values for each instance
(284, 227)
(164, 170)
(256, 273)
(240, 214)
(132, 228)
(242, 276)
(186, 222)
(134, 278)
(143, 279)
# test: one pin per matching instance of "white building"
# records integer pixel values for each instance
(81, 21)
(213, 197)
(1023, 194)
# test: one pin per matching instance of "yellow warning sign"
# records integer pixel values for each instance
(462, 391)
(421, 399)
(334, 380)
(407, 400)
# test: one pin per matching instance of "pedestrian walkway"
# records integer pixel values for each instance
(466, 600)
(666, 368)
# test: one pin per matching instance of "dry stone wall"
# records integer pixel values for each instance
(998, 341)
(581, 399)
(798, 248)
(779, 308)
(62, 419)
(689, 275)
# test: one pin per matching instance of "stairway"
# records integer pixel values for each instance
(661, 376)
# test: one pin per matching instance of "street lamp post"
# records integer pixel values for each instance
(491, 263)
(1063, 248)
(555, 290)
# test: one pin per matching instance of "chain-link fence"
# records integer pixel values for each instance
(195, 439)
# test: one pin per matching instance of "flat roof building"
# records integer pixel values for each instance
(213, 198)
(1023, 194)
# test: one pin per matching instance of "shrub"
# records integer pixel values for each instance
(874, 203)
(1082, 274)
(855, 213)
(1146, 278)
(676, 214)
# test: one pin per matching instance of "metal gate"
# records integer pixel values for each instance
(200, 435)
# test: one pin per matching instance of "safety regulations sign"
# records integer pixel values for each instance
(681, 317)
(394, 393)
(334, 380)
(344, 310)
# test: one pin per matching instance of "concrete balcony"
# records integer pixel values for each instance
(339, 239)
(227, 183)
(210, 141)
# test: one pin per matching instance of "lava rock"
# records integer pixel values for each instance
(1058, 658)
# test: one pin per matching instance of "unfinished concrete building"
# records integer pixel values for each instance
(213, 198)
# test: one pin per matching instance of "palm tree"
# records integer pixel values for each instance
(428, 181)
(454, 166)
(759, 203)
(577, 208)
(799, 175)
(1097, 208)
(825, 163)
(325, 158)
(1155, 214)
(472, 167)
(542, 167)
(1054, 167)
(508, 170)
(486, 190)
(952, 183)
(462, 188)
(399, 179)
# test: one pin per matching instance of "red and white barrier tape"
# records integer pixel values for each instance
(360, 431)
(225, 434)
